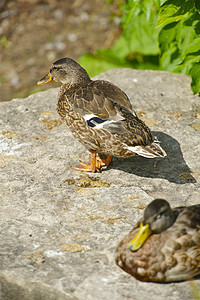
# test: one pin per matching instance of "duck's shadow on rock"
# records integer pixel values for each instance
(173, 167)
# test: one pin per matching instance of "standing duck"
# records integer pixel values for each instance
(164, 246)
(100, 116)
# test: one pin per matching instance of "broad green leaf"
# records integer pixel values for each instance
(170, 54)
(187, 64)
(162, 2)
(195, 74)
(183, 35)
(188, 34)
(174, 11)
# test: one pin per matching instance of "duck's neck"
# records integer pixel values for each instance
(63, 105)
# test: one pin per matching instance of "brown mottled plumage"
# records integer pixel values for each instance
(100, 116)
(171, 253)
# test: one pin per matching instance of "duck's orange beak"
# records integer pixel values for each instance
(142, 235)
(47, 78)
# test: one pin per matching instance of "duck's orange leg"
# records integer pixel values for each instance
(88, 167)
(96, 162)
(101, 162)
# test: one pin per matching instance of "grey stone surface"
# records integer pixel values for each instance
(60, 227)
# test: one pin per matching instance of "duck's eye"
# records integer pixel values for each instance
(157, 217)
(55, 68)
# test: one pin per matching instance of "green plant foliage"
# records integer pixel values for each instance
(195, 74)
(156, 34)
(137, 47)
(179, 40)
(115, 57)
(173, 11)
(138, 23)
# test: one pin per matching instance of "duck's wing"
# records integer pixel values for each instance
(184, 241)
(101, 104)
(104, 106)
(100, 98)
(113, 93)
(188, 216)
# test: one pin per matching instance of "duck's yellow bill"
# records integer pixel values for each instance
(47, 78)
(142, 235)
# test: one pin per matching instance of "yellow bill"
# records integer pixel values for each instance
(47, 78)
(142, 235)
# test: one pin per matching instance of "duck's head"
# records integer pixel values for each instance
(67, 71)
(158, 216)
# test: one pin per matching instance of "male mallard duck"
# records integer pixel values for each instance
(164, 246)
(100, 116)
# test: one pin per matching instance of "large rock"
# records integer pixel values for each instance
(60, 227)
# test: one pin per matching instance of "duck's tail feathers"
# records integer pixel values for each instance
(150, 151)
(156, 150)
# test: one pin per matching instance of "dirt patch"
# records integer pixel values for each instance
(34, 33)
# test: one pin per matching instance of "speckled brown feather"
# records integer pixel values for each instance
(172, 255)
(99, 98)
(72, 102)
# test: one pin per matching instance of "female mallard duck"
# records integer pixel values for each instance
(100, 116)
(164, 246)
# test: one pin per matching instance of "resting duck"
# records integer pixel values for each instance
(100, 116)
(164, 246)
